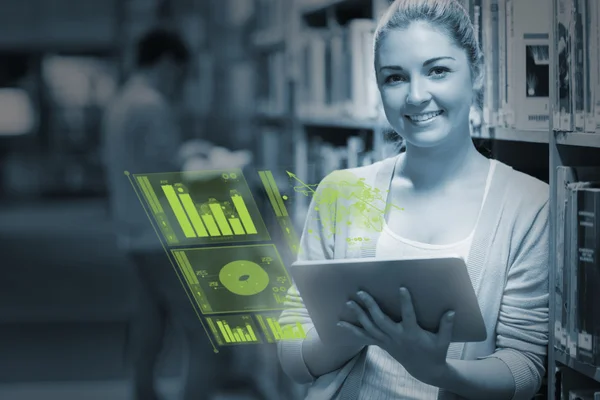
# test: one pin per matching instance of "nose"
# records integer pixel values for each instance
(417, 92)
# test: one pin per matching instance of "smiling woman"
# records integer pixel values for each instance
(441, 197)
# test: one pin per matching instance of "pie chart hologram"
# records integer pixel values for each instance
(244, 278)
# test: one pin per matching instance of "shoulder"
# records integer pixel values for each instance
(138, 99)
(343, 177)
(523, 191)
(526, 208)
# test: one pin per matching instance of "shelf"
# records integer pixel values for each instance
(584, 369)
(578, 139)
(515, 135)
(338, 121)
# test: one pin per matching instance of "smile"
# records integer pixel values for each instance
(424, 117)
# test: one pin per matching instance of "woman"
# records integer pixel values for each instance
(440, 197)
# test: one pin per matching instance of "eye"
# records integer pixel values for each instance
(439, 72)
(394, 78)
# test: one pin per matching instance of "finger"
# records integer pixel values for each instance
(366, 322)
(408, 311)
(381, 320)
(356, 331)
(444, 335)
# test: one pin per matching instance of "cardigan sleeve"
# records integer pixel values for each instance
(522, 329)
(316, 243)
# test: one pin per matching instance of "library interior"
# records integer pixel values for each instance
(277, 95)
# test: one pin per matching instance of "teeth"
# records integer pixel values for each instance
(424, 117)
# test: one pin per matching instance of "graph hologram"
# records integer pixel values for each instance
(235, 279)
(233, 330)
(203, 207)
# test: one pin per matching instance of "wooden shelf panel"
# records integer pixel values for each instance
(578, 139)
(515, 135)
(311, 6)
(337, 121)
(584, 369)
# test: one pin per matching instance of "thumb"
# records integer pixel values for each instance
(446, 328)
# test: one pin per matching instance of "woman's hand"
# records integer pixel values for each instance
(422, 353)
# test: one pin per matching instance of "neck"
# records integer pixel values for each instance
(428, 168)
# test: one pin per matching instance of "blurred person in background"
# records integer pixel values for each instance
(141, 135)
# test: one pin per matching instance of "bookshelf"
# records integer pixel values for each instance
(521, 53)
(574, 143)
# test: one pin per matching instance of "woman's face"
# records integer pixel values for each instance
(425, 85)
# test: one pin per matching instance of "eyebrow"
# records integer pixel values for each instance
(426, 63)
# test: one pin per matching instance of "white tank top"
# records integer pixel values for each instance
(385, 378)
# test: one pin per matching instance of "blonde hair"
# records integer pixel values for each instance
(448, 16)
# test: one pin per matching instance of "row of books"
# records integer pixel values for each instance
(324, 157)
(577, 104)
(337, 74)
(515, 39)
(577, 305)
(271, 85)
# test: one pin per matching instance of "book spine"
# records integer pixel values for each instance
(589, 77)
(531, 59)
(511, 87)
(564, 175)
(578, 67)
(490, 97)
(586, 260)
(563, 51)
(571, 261)
(595, 53)
(502, 63)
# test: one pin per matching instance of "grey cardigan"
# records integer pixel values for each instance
(508, 266)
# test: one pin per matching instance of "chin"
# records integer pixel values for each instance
(424, 138)
(426, 142)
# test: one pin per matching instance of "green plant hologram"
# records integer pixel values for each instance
(365, 207)
(235, 279)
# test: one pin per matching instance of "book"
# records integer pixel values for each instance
(531, 64)
(563, 44)
(588, 244)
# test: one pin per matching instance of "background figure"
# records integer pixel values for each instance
(141, 135)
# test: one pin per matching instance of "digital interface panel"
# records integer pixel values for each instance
(233, 329)
(203, 207)
(274, 332)
(235, 279)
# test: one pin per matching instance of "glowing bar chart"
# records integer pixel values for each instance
(213, 221)
(237, 226)
(180, 214)
(275, 332)
(202, 207)
(234, 329)
(190, 209)
(242, 210)
(217, 212)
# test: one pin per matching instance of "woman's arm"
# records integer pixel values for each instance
(515, 370)
(306, 359)
(489, 378)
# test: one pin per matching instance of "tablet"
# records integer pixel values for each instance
(436, 285)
